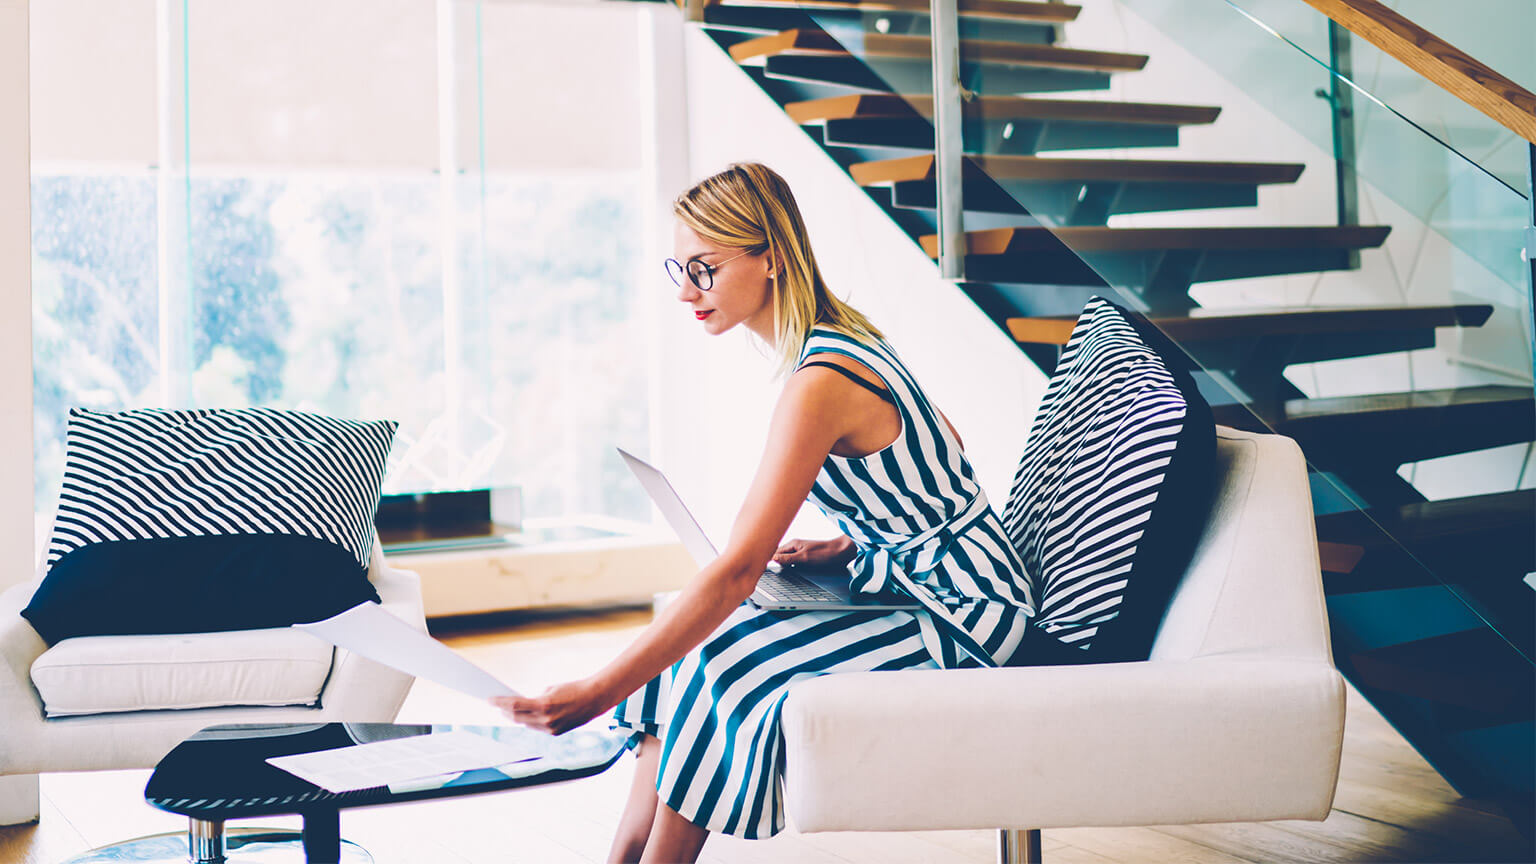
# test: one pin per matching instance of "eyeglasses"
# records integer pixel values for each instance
(702, 275)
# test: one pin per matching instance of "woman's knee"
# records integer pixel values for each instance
(648, 748)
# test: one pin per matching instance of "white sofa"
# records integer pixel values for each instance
(1238, 716)
(92, 673)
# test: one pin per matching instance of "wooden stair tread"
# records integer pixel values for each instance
(1012, 10)
(1428, 521)
(1210, 324)
(1336, 557)
(800, 41)
(1098, 238)
(1002, 108)
(914, 168)
(1308, 409)
(1345, 408)
(1395, 428)
(1470, 668)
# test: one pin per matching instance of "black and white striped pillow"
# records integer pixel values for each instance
(1113, 487)
(201, 520)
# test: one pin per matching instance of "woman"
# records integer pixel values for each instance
(853, 432)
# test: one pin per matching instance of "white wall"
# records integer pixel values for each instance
(716, 395)
(15, 301)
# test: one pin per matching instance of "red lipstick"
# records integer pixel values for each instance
(702, 315)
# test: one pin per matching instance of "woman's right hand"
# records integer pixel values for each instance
(828, 552)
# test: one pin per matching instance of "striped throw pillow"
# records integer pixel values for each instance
(1113, 487)
(205, 520)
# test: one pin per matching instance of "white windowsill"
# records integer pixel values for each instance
(638, 563)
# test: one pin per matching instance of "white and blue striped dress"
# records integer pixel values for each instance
(922, 526)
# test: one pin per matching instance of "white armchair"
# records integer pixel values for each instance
(176, 672)
(1237, 716)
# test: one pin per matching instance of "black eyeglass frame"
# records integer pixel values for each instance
(676, 269)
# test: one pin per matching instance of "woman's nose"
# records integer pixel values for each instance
(688, 292)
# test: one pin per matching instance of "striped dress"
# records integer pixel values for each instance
(923, 527)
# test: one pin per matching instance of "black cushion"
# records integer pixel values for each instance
(208, 520)
(1113, 488)
(196, 585)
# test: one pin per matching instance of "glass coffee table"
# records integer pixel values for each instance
(221, 773)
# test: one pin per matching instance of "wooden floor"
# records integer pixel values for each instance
(1390, 806)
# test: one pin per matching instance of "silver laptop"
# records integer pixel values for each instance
(780, 587)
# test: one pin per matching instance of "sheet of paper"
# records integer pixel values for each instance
(382, 763)
(370, 630)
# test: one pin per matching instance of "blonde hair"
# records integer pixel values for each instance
(748, 206)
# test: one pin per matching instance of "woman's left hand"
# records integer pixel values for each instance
(558, 709)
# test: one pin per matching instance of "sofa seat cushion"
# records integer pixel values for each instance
(108, 674)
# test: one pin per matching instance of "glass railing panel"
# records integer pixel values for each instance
(1499, 35)
(1418, 431)
(1400, 251)
(1421, 172)
(1497, 32)
(1070, 175)
(1296, 254)
(1401, 177)
(1382, 77)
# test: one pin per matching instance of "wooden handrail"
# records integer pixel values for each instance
(1509, 104)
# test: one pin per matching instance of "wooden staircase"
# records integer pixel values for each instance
(1431, 612)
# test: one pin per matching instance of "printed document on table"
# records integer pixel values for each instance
(382, 763)
(370, 630)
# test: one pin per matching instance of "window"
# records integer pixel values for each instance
(428, 213)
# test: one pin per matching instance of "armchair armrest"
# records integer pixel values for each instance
(1207, 740)
(361, 690)
(21, 712)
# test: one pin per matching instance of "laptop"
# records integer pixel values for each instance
(781, 587)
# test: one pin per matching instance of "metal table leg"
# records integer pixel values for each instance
(322, 836)
(205, 841)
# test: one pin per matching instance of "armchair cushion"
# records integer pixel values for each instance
(1149, 743)
(195, 521)
(107, 674)
(1113, 487)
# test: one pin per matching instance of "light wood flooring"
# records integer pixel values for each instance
(1391, 806)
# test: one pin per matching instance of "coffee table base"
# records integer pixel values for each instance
(241, 846)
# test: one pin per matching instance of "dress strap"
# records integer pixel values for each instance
(854, 377)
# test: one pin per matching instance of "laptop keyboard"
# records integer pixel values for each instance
(782, 586)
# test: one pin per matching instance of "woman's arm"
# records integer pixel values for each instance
(813, 413)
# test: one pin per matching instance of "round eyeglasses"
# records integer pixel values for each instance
(702, 275)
